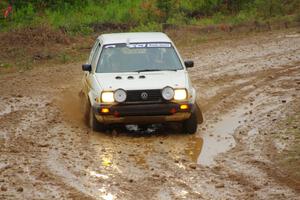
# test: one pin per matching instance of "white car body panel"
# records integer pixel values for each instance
(152, 80)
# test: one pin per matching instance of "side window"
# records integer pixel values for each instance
(93, 51)
(95, 58)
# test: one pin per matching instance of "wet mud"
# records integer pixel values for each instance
(245, 86)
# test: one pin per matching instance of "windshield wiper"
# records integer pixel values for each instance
(148, 70)
(153, 70)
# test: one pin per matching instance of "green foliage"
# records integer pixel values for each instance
(46, 4)
(80, 16)
(5, 65)
(269, 8)
(197, 8)
(167, 8)
(80, 19)
(153, 27)
(25, 14)
(64, 58)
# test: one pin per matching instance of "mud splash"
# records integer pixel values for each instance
(69, 103)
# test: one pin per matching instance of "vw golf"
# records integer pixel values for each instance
(138, 78)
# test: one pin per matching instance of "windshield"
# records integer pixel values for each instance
(138, 58)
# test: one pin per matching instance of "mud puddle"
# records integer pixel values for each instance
(143, 146)
(219, 138)
(201, 148)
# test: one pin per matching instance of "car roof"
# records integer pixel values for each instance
(138, 37)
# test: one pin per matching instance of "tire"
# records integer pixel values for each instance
(93, 122)
(190, 125)
(199, 114)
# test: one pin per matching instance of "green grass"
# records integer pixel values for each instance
(145, 15)
(80, 20)
(64, 58)
(5, 65)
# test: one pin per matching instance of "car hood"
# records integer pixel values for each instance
(143, 80)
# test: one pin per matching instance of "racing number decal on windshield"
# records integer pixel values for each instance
(142, 45)
(150, 45)
(159, 45)
(136, 45)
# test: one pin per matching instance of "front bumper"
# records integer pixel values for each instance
(143, 113)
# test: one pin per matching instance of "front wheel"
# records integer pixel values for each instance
(190, 125)
(93, 122)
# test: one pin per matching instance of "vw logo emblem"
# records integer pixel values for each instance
(144, 95)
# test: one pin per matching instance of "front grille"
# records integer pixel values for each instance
(135, 96)
(144, 109)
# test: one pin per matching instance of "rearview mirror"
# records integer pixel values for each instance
(87, 67)
(189, 63)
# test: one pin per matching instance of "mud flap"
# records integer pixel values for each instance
(199, 114)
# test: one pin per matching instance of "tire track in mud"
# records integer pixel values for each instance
(262, 81)
(27, 115)
(255, 81)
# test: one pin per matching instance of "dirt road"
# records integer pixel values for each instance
(247, 86)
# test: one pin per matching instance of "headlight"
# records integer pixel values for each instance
(107, 97)
(120, 95)
(180, 94)
(168, 93)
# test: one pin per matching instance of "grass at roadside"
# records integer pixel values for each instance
(88, 16)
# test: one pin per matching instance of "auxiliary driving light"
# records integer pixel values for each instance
(168, 93)
(120, 95)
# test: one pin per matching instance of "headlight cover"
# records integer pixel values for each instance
(107, 97)
(180, 94)
(120, 95)
(167, 93)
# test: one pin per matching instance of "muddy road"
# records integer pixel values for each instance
(245, 85)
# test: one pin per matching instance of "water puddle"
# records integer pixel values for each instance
(141, 146)
(194, 148)
(219, 138)
(202, 150)
(150, 141)
(98, 175)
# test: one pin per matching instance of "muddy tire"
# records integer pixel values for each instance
(190, 125)
(93, 122)
(199, 114)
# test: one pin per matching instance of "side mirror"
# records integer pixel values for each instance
(189, 63)
(87, 67)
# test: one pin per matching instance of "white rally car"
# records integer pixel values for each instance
(138, 78)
